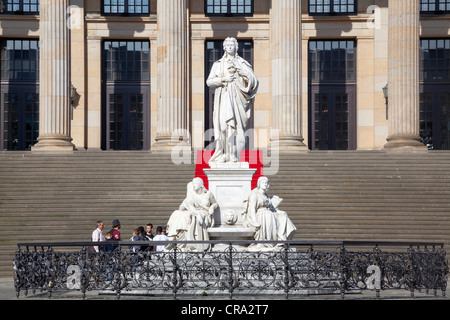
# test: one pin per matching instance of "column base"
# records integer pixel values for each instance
(168, 143)
(288, 144)
(404, 143)
(54, 143)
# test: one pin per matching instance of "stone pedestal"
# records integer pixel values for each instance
(231, 184)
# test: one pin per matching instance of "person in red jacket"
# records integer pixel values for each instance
(115, 230)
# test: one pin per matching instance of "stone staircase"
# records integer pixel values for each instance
(50, 198)
(367, 195)
(363, 195)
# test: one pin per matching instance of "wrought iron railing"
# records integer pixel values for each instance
(291, 268)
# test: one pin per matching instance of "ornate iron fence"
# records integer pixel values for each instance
(291, 268)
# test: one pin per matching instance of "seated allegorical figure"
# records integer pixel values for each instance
(262, 215)
(194, 216)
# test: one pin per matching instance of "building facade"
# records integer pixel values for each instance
(131, 75)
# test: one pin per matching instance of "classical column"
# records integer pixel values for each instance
(403, 45)
(54, 82)
(172, 74)
(286, 44)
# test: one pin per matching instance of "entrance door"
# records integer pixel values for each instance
(127, 118)
(435, 93)
(332, 114)
(332, 94)
(19, 93)
(19, 116)
(435, 116)
(126, 95)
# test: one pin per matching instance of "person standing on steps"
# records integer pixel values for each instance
(115, 230)
(149, 235)
(97, 235)
(148, 232)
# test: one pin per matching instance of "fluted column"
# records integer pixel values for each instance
(286, 44)
(403, 45)
(172, 74)
(54, 81)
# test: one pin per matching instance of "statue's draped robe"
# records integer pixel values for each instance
(201, 219)
(192, 220)
(269, 224)
(232, 104)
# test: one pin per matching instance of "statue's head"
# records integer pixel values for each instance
(197, 183)
(263, 183)
(230, 45)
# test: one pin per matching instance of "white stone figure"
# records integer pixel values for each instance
(262, 215)
(194, 216)
(236, 87)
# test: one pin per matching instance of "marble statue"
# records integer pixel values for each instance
(194, 216)
(261, 214)
(236, 87)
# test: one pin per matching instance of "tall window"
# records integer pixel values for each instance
(126, 7)
(332, 94)
(19, 6)
(332, 60)
(126, 95)
(127, 61)
(435, 93)
(329, 7)
(229, 7)
(19, 94)
(435, 6)
(20, 60)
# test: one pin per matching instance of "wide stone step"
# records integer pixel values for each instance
(329, 195)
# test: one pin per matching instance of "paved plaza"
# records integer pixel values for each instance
(7, 292)
(220, 307)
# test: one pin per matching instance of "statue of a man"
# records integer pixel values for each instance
(236, 87)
